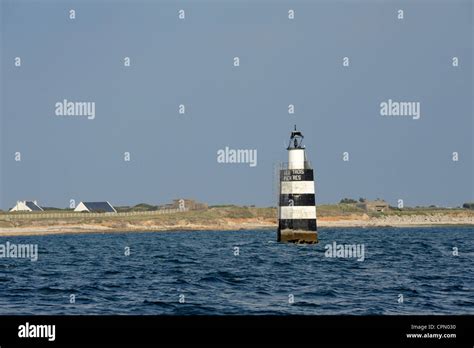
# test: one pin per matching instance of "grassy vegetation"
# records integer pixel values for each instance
(424, 211)
(338, 209)
(212, 215)
(138, 207)
(194, 217)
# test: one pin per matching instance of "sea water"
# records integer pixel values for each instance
(404, 271)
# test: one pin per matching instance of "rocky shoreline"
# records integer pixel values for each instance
(228, 224)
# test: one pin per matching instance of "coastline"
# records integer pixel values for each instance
(189, 222)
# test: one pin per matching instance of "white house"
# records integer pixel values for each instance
(95, 207)
(26, 206)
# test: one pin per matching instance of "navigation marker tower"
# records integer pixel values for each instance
(297, 207)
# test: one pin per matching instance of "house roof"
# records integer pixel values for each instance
(105, 207)
(33, 206)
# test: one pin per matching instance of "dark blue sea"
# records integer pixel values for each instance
(202, 270)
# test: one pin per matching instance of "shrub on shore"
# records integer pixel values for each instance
(469, 205)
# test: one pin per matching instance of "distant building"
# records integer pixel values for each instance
(95, 207)
(26, 206)
(185, 204)
(379, 206)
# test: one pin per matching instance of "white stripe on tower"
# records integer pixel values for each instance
(297, 213)
(297, 187)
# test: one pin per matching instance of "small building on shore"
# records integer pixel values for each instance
(378, 206)
(95, 207)
(184, 204)
(27, 206)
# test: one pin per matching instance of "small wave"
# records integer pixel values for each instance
(159, 303)
(305, 304)
(222, 276)
(52, 290)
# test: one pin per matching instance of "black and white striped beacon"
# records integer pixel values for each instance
(297, 208)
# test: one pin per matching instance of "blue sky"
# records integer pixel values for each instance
(190, 62)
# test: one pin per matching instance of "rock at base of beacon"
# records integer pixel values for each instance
(297, 236)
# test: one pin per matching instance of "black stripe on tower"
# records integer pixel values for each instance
(298, 224)
(296, 175)
(302, 199)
